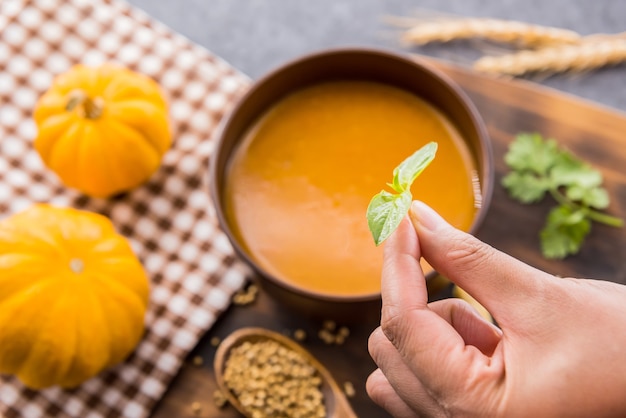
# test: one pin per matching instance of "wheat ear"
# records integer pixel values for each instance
(584, 56)
(504, 31)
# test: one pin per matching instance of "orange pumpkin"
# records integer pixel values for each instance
(72, 296)
(102, 130)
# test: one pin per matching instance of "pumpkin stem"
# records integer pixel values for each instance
(87, 107)
(76, 265)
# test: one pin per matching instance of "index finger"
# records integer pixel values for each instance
(502, 284)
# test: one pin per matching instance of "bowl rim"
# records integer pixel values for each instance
(487, 176)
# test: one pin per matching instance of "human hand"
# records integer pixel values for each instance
(560, 349)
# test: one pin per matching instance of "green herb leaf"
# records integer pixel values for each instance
(596, 197)
(405, 174)
(386, 210)
(529, 152)
(564, 232)
(526, 187)
(567, 173)
(541, 167)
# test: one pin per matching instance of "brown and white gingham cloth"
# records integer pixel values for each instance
(169, 220)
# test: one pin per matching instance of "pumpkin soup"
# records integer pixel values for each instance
(299, 184)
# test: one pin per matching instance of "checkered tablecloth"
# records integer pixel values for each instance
(169, 220)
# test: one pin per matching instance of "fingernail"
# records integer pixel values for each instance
(425, 216)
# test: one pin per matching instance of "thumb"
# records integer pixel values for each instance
(501, 283)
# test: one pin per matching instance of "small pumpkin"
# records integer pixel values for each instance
(73, 296)
(103, 130)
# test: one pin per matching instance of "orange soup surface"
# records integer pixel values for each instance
(299, 184)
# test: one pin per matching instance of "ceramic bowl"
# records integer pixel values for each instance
(381, 66)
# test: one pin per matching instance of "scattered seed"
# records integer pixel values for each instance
(197, 361)
(299, 335)
(348, 389)
(326, 336)
(196, 408)
(331, 335)
(329, 325)
(219, 399)
(246, 296)
(215, 341)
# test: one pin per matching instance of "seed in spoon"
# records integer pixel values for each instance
(272, 380)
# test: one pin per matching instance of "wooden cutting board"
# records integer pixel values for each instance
(592, 132)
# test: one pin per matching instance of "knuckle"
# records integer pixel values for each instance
(467, 252)
(374, 342)
(391, 323)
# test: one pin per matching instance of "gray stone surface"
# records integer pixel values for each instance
(257, 35)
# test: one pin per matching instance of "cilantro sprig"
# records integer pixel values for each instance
(386, 210)
(539, 167)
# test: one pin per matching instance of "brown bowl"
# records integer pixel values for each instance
(345, 64)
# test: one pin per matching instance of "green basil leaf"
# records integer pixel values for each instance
(385, 212)
(405, 174)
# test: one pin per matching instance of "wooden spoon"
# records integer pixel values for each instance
(337, 405)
